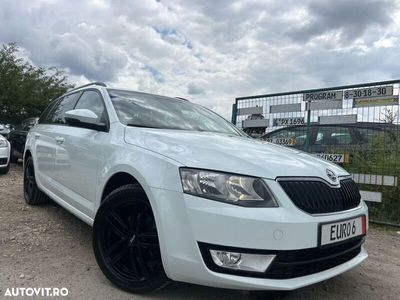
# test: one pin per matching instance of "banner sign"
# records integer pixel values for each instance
(282, 108)
(375, 101)
(324, 95)
(339, 119)
(255, 123)
(250, 110)
(321, 105)
(379, 91)
(288, 121)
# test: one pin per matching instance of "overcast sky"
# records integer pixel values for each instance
(209, 51)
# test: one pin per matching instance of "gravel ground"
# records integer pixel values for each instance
(47, 247)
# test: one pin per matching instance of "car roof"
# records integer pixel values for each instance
(110, 89)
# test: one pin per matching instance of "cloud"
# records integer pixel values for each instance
(350, 18)
(209, 51)
(95, 59)
(194, 89)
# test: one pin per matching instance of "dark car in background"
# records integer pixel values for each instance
(17, 138)
(323, 138)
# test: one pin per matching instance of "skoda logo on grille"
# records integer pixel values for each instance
(331, 175)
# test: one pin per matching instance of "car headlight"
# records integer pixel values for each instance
(225, 187)
(3, 143)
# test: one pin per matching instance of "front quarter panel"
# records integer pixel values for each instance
(148, 168)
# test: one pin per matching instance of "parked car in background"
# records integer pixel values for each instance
(254, 132)
(5, 129)
(4, 155)
(174, 191)
(17, 138)
(326, 137)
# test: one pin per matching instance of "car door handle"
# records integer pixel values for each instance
(59, 140)
(36, 135)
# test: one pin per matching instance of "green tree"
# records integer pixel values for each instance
(26, 90)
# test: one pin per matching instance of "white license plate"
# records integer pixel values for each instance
(342, 230)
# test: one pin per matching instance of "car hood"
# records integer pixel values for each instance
(229, 153)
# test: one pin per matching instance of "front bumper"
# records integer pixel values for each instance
(4, 155)
(183, 221)
(252, 283)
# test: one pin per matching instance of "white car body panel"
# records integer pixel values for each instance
(225, 152)
(75, 173)
(5, 152)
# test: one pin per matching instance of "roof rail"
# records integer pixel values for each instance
(182, 98)
(89, 84)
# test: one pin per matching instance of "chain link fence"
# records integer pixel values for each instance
(356, 126)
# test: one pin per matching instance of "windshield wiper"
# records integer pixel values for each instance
(140, 125)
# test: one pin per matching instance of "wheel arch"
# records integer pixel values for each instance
(117, 180)
(26, 155)
(123, 176)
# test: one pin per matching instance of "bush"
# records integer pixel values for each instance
(382, 157)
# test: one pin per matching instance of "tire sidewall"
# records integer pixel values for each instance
(28, 162)
(117, 197)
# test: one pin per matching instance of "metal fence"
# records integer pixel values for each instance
(356, 126)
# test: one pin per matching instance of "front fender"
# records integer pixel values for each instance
(150, 169)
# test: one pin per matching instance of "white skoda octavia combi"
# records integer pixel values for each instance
(174, 191)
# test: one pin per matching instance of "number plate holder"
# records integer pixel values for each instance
(338, 230)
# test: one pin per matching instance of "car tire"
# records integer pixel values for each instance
(13, 159)
(32, 194)
(125, 241)
(4, 170)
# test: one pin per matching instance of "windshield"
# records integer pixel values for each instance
(146, 110)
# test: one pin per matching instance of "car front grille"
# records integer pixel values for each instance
(3, 161)
(317, 197)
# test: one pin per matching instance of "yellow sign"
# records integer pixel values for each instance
(375, 101)
(337, 158)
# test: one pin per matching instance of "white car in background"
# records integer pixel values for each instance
(5, 129)
(175, 191)
(4, 155)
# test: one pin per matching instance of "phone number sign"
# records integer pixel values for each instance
(288, 121)
(379, 91)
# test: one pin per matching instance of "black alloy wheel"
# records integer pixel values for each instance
(13, 159)
(32, 194)
(29, 180)
(125, 241)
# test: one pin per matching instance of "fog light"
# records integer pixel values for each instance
(241, 261)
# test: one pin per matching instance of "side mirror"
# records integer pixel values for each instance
(84, 118)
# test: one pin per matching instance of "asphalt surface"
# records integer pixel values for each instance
(46, 246)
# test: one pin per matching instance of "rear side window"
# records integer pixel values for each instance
(45, 117)
(367, 134)
(93, 101)
(328, 135)
(297, 133)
